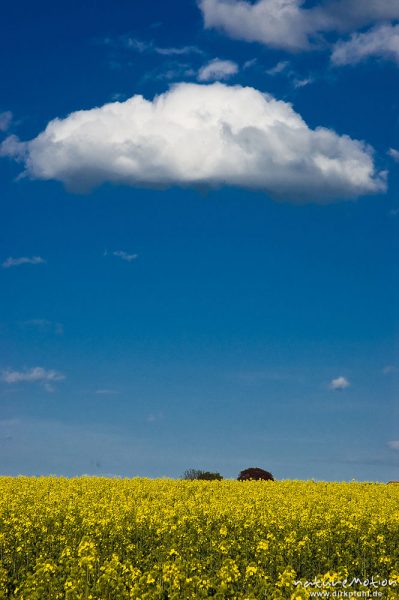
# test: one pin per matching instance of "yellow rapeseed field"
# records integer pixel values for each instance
(97, 538)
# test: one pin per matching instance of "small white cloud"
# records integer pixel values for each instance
(106, 392)
(36, 374)
(217, 69)
(23, 260)
(340, 383)
(379, 42)
(394, 444)
(281, 66)
(178, 51)
(123, 255)
(250, 63)
(5, 120)
(300, 83)
(394, 154)
(203, 136)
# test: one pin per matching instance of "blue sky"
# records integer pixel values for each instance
(199, 208)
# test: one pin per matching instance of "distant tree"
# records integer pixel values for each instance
(255, 473)
(209, 476)
(191, 474)
(197, 474)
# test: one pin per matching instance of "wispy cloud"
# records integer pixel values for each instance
(169, 66)
(250, 63)
(49, 388)
(340, 383)
(178, 51)
(217, 70)
(394, 154)
(106, 392)
(5, 120)
(154, 417)
(148, 46)
(23, 260)
(281, 66)
(381, 41)
(34, 375)
(122, 254)
(299, 83)
(135, 44)
(172, 71)
(394, 444)
(45, 325)
(389, 369)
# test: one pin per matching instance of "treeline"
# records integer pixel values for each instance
(252, 473)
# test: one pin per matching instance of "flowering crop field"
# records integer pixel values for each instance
(138, 538)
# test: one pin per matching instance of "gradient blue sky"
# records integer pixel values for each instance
(161, 328)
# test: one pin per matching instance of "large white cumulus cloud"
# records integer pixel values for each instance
(201, 136)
